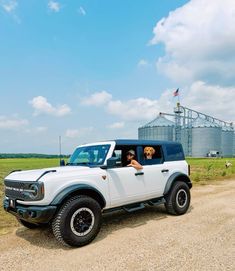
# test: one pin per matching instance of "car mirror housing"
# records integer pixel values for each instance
(112, 162)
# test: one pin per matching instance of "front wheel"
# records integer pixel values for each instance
(78, 221)
(178, 199)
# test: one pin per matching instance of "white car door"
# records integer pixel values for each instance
(126, 185)
(156, 171)
(155, 177)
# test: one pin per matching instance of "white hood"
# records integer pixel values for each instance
(33, 175)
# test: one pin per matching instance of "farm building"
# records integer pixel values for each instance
(201, 135)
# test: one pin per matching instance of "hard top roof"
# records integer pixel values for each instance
(143, 142)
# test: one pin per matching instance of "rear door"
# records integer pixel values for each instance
(156, 171)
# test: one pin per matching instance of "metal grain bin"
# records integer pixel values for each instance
(206, 138)
(159, 129)
(234, 145)
(185, 140)
(227, 141)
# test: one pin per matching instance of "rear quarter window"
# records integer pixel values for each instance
(174, 152)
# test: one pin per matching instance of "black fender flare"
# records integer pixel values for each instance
(78, 188)
(173, 178)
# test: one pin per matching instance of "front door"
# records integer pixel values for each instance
(126, 185)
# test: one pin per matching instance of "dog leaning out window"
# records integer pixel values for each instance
(152, 155)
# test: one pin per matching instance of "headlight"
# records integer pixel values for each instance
(35, 191)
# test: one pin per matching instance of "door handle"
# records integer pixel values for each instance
(139, 173)
(165, 170)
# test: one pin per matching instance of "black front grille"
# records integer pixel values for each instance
(16, 189)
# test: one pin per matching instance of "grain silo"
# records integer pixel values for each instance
(227, 141)
(185, 140)
(206, 138)
(234, 145)
(160, 128)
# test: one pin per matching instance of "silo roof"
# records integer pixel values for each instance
(199, 122)
(159, 121)
(227, 129)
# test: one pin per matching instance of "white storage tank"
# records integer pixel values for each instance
(206, 138)
(160, 128)
(227, 141)
(234, 145)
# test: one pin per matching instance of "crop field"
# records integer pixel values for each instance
(203, 171)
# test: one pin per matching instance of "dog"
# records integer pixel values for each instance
(149, 152)
(228, 164)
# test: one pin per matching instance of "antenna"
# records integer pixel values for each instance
(60, 148)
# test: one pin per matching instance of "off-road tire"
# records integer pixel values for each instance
(28, 224)
(178, 199)
(61, 224)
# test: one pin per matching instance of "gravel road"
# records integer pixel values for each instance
(150, 239)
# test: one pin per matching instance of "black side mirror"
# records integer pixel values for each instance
(62, 163)
(112, 163)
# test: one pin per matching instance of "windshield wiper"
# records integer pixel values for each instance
(79, 164)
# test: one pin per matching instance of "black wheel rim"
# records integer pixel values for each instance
(181, 198)
(82, 221)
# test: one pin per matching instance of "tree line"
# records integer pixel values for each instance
(30, 155)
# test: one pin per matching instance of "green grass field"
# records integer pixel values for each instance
(203, 171)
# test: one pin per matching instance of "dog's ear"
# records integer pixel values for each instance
(153, 150)
(145, 149)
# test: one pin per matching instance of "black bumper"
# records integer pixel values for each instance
(32, 214)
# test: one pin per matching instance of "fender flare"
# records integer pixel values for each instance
(76, 188)
(173, 178)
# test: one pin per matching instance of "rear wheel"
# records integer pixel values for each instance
(178, 199)
(78, 221)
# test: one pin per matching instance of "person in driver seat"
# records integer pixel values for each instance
(130, 155)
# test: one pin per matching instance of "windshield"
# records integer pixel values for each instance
(89, 155)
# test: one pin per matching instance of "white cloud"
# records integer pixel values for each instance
(12, 123)
(131, 110)
(41, 129)
(42, 106)
(97, 98)
(77, 133)
(117, 125)
(199, 40)
(54, 6)
(9, 6)
(143, 63)
(211, 99)
(82, 11)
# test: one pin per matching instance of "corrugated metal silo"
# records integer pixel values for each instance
(234, 144)
(185, 139)
(227, 141)
(206, 137)
(159, 129)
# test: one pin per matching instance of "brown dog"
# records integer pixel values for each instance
(149, 152)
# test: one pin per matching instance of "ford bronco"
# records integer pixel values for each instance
(95, 180)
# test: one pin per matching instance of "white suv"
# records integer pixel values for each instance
(96, 179)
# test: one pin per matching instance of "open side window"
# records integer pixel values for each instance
(120, 152)
(151, 154)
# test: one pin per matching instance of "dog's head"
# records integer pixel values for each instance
(149, 152)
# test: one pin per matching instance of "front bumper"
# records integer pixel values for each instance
(32, 214)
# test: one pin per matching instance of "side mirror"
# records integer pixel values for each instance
(62, 163)
(112, 163)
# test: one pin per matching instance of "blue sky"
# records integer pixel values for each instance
(92, 70)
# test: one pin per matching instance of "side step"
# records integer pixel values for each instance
(133, 207)
(156, 202)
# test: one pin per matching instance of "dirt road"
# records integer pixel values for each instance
(203, 239)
